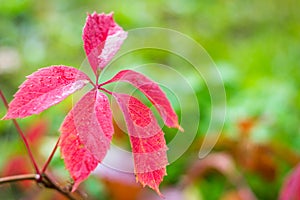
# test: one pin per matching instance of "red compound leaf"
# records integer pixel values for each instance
(291, 187)
(153, 93)
(86, 135)
(45, 88)
(147, 141)
(87, 130)
(102, 39)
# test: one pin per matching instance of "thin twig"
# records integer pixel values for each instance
(43, 180)
(50, 157)
(40, 178)
(48, 183)
(105, 90)
(22, 136)
(26, 146)
(16, 178)
(4, 99)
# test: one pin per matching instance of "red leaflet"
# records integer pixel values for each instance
(291, 186)
(153, 93)
(147, 141)
(78, 160)
(89, 126)
(93, 121)
(45, 88)
(102, 39)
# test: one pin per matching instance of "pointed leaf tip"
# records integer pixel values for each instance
(180, 128)
(158, 174)
(45, 88)
(86, 135)
(153, 92)
(102, 38)
(78, 160)
(147, 141)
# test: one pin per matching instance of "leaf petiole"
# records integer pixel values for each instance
(50, 157)
(22, 136)
(105, 90)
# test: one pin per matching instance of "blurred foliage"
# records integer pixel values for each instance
(255, 45)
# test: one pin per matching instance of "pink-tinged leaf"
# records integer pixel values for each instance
(153, 93)
(291, 187)
(102, 39)
(45, 88)
(89, 127)
(93, 121)
(147, 141)
(79, 161)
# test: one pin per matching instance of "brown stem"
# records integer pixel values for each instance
(50, 157)
(16, 178)
(22, 136)
(48, 183)
(105, 90)
(39, 177)
(43, 180)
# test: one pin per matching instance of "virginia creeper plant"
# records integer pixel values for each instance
(87, 130)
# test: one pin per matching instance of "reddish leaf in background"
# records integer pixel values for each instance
(147, 141)
(91, 122)
(153, 93)
(45, 88)
(102, 39)
(291, 187)
(17, 164)
(37, 131)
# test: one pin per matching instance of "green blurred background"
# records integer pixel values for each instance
(255, 45)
